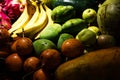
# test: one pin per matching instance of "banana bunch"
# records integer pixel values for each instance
(32, 21)
(27, 14)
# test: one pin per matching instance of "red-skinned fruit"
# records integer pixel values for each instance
(72, 48)
(50, 59)
(106, 41)
(14, 62)
(22, 46)
(5, 51)
(4, 36)
(40, 74)
(31, 64)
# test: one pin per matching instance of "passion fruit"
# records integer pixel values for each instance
(22, 46)
(14, 62)
(31, 64)
(50, 59)
(4, 36)
(106, 41)
(72, 48)
(40, 75)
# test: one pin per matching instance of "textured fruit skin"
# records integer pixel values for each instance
(97, 65)
(108, 18)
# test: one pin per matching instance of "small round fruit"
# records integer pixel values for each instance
(50, 59)
(23, 46)
(94, 29)
(5, 51)
(31, 64)
(4, 36)
(13, 46)
(105, 41)
(40, 75)
(14, 62)
(72, 48)
(89, 15)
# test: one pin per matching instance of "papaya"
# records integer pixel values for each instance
(102, 64)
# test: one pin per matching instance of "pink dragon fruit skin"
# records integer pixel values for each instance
(5, 21)
(13, 9)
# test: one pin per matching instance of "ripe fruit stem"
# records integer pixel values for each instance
(23, 32)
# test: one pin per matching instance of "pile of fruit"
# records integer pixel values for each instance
(60, 42)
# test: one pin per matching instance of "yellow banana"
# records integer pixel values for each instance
(34, 17)
(50, 21)
(24, 18)
(48, 12)
(38, 25)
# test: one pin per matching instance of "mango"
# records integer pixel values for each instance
(51, 32)
(73, 26)
(62, 13)
(43, 44)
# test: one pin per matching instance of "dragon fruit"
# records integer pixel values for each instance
(13, 8)
(5, 21)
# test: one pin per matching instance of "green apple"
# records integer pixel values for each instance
(94, 29)
(87, 37)
(89, 15)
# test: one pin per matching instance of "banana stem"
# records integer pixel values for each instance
(23, 33)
